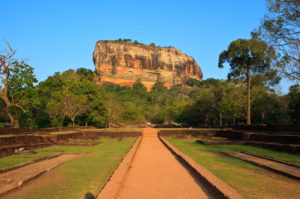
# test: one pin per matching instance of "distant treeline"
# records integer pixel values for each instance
(73, 98)
(134, 42)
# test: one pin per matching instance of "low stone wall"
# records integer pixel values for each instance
(270, 129)
(24, 131)
(24, 140)
(282, 139)
(285, 143)
(188, 132)
(288, 148)
(9, 144)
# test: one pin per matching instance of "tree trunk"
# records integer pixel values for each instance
(109, 118)
(206, 119)
(262, 117)
(233, 120)
(221, 118)
(16, 124)
(11, 118)
(73, 121)
(248, 97)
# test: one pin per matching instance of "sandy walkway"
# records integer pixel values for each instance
(155, 173)
(12, 179)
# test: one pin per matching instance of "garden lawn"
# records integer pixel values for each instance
(17, 159)
(249, 180)
(292, 158)
(78, 177)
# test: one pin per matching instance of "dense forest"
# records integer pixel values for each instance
(73, 98)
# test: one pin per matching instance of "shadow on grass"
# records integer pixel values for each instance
(88, 195)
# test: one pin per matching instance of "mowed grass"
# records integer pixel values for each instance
(292, 158)
(77, 177)
(115, 130)
(17, 159)
(249, 180)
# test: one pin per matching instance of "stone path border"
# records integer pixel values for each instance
(113, 184)
(280, 168)
(269, 158)
(218, 187)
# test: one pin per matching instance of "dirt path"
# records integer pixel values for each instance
(15, 178)
(155, 173)
(284, 169)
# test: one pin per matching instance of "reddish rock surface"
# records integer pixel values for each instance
(123, 63)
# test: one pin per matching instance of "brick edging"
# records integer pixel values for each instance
(215, 185)
(272, 159)
(112, 186)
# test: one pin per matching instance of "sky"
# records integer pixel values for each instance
(57, 35)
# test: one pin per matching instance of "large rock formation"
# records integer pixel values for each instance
(123, 63)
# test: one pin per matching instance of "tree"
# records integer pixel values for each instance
(193, 82)
(113, 107)
(139, 88)
(281, 29)
(72, 106)
(294, 103)
(152, 44)
(248, 57)
(53, 109)
(159, 87)
(16, 78)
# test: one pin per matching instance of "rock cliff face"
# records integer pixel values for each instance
(123, 63)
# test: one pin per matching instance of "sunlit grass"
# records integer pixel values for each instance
(76, 178)
(251, 181)
(14, 160)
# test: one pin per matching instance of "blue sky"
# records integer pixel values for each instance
(56, 35)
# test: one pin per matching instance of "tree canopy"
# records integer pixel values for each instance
(280, 28)
(247, 58)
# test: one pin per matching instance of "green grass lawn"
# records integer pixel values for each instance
(293, 158)
(63, 132)
(115, 130)
(14, 160)
(249, 180)
(79, 176)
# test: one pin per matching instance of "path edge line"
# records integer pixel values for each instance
(22, 183)
(272, 159)
(286, 174)
(48, 157)
(113, 184)
(219, 187)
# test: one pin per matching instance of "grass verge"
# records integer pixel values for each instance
(17, 159)
(292, 158)
(78, 177)
(249, 180)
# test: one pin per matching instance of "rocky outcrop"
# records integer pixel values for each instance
(123, 63)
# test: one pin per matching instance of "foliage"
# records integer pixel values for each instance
(16, 85)
(193, 82)
(247, 58)
(294, 103)
(281, 29)
(152, 44)
(72, 106)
